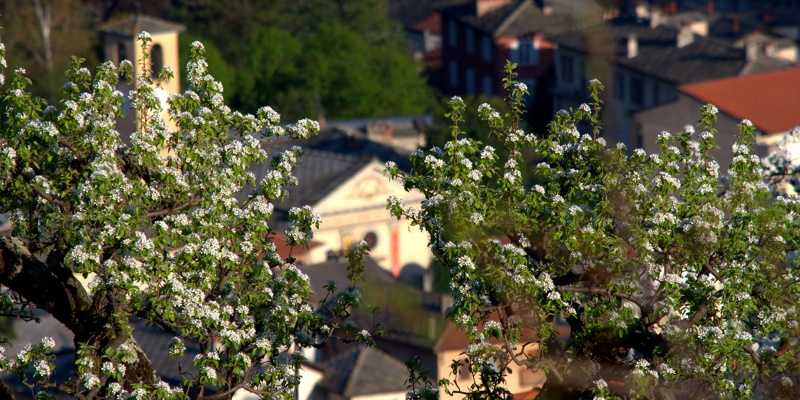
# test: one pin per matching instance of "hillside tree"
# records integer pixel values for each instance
(334, 59)
(45, 34)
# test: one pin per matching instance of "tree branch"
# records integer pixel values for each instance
(160, 213)
(52, 287)
(39, 191)
(602, 291)
(5, 391)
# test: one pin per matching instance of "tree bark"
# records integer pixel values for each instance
(5, 392)
(96, 321)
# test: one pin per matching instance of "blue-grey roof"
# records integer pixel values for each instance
(364, 371)
(153, 341)
(328, 160)
(659, 56)
(517, 18)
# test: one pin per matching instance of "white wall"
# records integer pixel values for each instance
(358, 207)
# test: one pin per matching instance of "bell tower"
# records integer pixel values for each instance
(120, 43)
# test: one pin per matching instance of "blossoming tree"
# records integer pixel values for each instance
(670, 279)
(152, 221)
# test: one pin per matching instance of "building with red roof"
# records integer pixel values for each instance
(769, 100)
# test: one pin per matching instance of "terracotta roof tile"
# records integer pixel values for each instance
(770, 100)
(431, 24)
(283, 249)
(433, 59)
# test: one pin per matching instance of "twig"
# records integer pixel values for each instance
(602, 291)
(49, 198)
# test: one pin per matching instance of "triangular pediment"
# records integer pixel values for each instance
(368, 188)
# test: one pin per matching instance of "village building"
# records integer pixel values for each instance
(480, 36)
(642, 63)
(341, 177)
(761, 98)
(521, 380)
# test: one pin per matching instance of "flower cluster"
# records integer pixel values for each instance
(617, 244)
(160, 224)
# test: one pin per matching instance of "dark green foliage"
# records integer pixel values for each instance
(333, 59)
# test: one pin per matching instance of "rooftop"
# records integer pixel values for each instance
(364, 371)
(328, 160)
(131, 25)
(406, 312)
(658, 54)
(770, 100)
(517, 18)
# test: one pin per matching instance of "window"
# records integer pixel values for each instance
(464, 374)
(470, 41)
(453, 74)
(122, 52)
(371, 239)
(567, 69)
(638, 137)
(583, 73)
(619, 86)
(470, 78)
(452, 34)
(655, 93)
(487, 86)
(525, 52)
(637, 91)
(156, 59)
(486, 49)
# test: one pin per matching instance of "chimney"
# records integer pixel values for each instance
(633, 46)
(710, 7)
(685, 36)
(656, 18)
(700, 27)
(673, 7)
(483, 7)
(752, 50)
(642, 12)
